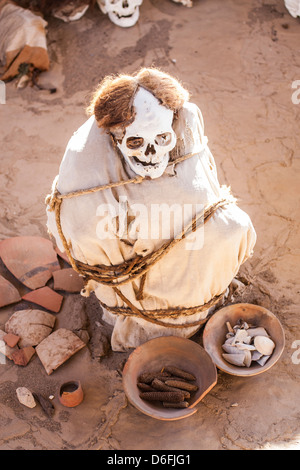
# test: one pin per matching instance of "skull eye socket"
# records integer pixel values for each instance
(134, 142)
(163, 139)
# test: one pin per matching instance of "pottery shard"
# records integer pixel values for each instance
(8, 293)
(5, 349)
(31, 325)
(21, 357)
(68, 280)
(57, 348)
(32, 260)
(45, 297)
(11, 340)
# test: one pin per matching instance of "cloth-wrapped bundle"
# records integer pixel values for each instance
(198, 268)
(22, 39)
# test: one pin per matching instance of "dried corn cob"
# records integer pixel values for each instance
(173, 377)
(147, 377)
(182, 404)
(172, 397)
(179, 373)
(145, 387)
(182, 385)
(163, 387)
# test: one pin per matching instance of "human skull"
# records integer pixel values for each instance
(147, 141)
(123, 13)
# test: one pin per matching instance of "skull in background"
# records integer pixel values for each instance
(123, 13)
(147, 141)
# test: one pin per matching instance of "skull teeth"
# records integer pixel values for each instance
(144, 163)
(123, 16)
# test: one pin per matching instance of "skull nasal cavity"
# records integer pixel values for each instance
(150, 149)
(125, 4)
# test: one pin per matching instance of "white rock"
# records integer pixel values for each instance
(25, 397)
(264, 345)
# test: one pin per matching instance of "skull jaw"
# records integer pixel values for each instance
(124, 21)
(151, 171)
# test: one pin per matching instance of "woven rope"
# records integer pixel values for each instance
(153, 316)
(139, 265)
(55, 197)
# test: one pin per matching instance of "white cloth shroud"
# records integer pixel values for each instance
(195, 270)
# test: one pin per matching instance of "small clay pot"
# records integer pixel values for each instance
(71, 394)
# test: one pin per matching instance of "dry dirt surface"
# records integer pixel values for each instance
(239, 59)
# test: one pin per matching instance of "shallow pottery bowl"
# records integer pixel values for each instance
(215, 331)
(165, 351)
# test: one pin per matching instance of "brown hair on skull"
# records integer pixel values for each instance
(112, 102)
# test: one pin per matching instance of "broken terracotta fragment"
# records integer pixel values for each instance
(32, 260)
(6, 350)
(45, 297)
(31, 325)
(11, 340)
(68, 280)
(57, 348)
(8, 293)
(21, 357)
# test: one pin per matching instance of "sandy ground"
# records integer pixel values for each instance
(239, 59)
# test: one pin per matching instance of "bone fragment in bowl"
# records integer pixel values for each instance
(245, 346)
(256, 355)
(264, 345)
(262, 360)
(254, 342)
(259, 331)
(235, 359)
(241, 335)
(229, 349)
(247, 358)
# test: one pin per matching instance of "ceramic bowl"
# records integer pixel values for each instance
(168, 351)
(215, 331)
